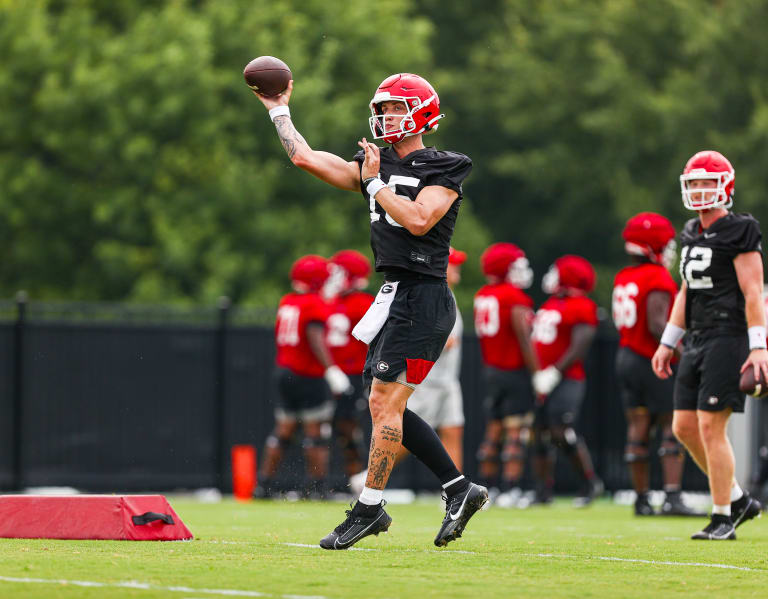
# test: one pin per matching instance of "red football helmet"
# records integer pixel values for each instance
(309, 273)
(420, 99)
(708, 164)
(651, 235)
(507, 262)
(456, 257)
(349, 270)
(569, 273)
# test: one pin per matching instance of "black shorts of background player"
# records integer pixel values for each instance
(719, 309)
(413, 193)
(642, 300)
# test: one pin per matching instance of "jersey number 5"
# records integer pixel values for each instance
(393, 181)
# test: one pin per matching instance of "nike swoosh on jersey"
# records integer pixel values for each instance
(709, 235)
(414, 163)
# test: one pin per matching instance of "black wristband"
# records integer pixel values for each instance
(367, 180)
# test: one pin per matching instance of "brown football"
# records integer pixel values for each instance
(267, 75)
(748, 384)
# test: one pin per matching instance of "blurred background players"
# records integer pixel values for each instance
(563, 330)
(305, 372)
(642, 300)
(503, 316)
(349, 272)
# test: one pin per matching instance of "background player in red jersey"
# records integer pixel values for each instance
(642, 300)
(719, 310)
(349, 276)
(503, 316)
(563, 330)
(305, 372)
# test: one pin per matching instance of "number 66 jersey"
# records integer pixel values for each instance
(714, 300)
(631, 288)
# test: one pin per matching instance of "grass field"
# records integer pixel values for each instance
(268, 549)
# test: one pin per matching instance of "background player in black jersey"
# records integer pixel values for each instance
(720, 306)
(413, 193)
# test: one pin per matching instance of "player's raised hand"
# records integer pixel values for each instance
(371, 163)
(281, 99)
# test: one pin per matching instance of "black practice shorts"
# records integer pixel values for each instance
(350, 405)
(420, 319)
(639, 387)
(562, 406)
(508, 392)
(708, 374)
(302, 398)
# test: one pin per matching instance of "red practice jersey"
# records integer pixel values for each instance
(493, 324)
(347, 352)
(630, 295)
(553, 326)
(294, 313)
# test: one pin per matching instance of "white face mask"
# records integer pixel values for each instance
(551, 281)
(335, 283)
(520, 273)
(696, 199)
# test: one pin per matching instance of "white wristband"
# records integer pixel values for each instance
(756, 337)
(672, 335)
(375, 187)
(277, 111)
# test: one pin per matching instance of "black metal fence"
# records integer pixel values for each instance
(115, 398)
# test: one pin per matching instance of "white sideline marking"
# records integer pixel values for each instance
(650, 561)
(451, 551)
(132, 584)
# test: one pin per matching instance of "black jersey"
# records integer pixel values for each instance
(714, 300)
(393, 246)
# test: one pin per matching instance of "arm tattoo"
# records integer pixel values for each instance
(391, 433)
(289, 137)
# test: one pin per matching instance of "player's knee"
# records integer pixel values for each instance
(670, 447)
(275, 442)
(566, 439)
(381, 405)
(513, 451)
(314, 442)
(636, 451)
(488, 451)
(685, 431)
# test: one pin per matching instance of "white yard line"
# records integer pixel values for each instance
(648, 561)
(448, 551)
(131, 584)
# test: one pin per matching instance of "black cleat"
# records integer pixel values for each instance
(593, 489)
(745, 509)
(720, 528)
(673, 506)
(642, 506)
(458, 510)
(356, 527)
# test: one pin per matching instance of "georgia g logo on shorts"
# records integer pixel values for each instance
(387, 289)
(382, 366)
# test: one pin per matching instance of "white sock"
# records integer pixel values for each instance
(455, 480)
(723, 510)
(374, 496)
(736, 492)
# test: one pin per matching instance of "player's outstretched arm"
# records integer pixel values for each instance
(749, 272)
(325, 166)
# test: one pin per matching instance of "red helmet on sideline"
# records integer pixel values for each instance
(309, 273)
(420, 99)
(456, 256)
(507, 262)
(651, 235)
(708, 164)
(569, 272)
